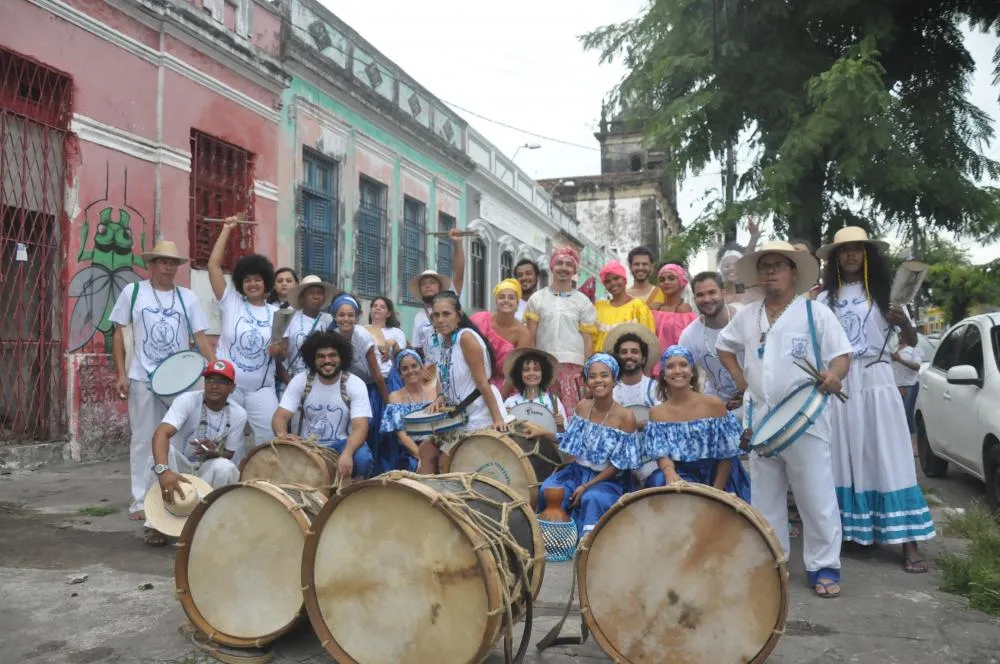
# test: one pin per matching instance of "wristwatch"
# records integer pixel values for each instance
(160, 468)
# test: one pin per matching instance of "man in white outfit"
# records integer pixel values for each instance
(165, 319)
(770, 334)
(637, 350)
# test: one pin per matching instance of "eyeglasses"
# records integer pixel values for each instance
(776, 267)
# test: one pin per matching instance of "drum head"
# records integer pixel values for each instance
(536, 414)
(240, 567)
(496, 456)
(685, 575)
(289, 462)
(177, 373)
(779, 416)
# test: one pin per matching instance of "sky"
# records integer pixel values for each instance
(520, 63)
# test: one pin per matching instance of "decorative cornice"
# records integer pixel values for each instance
(98, 133)
(266, 190)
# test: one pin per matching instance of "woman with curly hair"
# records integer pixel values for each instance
(245, 336)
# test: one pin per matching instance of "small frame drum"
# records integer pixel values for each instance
(535, 413)
(788, 420)
(176, 374)
(290, 461)
(641, 412)
(239, 561)
(684, 574)
(422, 424)
(511, 459)
(409, 568)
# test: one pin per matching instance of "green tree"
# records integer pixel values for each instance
(856, 110)
(956, 288)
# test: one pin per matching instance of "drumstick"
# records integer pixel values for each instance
(814, 372)
(460, 233)
(222, 221)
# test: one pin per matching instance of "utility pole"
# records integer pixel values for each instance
(729, 186)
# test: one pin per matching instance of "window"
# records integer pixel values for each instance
(995, 333)
(478, 274)
(413, 251)
(635, 163)
(445, 224)
(221, 182)
(506, 265)
(971, 350)
(371, 254)
(947, 353)
(318, 223)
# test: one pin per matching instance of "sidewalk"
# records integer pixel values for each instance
(883, 617)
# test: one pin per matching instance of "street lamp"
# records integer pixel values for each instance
(526, 146)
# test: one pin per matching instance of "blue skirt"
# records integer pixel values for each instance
(596, 500)
(376, 439)
(703, 472)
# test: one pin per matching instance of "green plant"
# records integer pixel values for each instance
(974, 574)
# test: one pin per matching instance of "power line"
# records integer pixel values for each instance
(523, 131)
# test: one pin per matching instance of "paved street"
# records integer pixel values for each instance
(884, 615)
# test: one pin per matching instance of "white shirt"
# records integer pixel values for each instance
(457, 382)
(326, 415)
(361, 342)
(772, 377)
(701, 341)
(521, 306)
(300, 327)
(642, 393)
(158, 324)
(863, 321)
(385, 361)
(224, 426)
(243, 339)
(559, 320)
(905, 376)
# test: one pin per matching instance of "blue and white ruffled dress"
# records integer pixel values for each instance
(393, 421)
(696, 448)
(594, 447)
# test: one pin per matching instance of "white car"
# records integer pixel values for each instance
(958, 406)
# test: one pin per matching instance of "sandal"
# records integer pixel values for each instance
(154, 537)
(914, 565)
(827, 586)
(793, 531)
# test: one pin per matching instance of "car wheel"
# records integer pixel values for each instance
(931, 464)
(992, 472)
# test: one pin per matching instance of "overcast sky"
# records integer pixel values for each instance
(520, 63)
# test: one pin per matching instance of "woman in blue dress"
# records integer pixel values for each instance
(600, 440)
(416, 394)
(691, 436)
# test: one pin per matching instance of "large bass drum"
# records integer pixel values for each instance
(292, 461)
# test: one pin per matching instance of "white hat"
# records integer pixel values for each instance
(807, 267)
(329, 290)
(170, 519)
(164, 249)
(847, 235)
(414, 283)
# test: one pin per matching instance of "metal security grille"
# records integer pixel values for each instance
(445, 224)
(221, 186)
(35, 110)
(506, 265)
(478, 251)
(372, 259)
(413, 252)
(320, 214)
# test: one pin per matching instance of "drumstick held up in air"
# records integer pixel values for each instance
(222, 221)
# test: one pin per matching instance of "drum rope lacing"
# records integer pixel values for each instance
(311, 447)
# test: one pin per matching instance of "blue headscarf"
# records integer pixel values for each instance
(676, 351)
(405, 353)
(343, 299)
(601, 358)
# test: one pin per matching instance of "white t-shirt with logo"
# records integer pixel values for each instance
(243, 340)
(642, 393)
(223, 427)
(158, 324)
(700, 340)
(326, 415)
(300, 327)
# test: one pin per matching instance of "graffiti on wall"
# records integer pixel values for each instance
(106, 263)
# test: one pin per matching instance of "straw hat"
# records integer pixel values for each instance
(170, 519)
(517, 353)
(414, 282)
(847, 235)
(329, 290)
(164, 249)
(641, 331)
(807, 267)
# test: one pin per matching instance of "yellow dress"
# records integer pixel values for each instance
(610, 316)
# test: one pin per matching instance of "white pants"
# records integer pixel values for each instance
(260, 406)
(806, 465)
(145, 411)
(217, 472)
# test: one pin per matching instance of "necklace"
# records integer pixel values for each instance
(204, 434)
(444, 368)
(409, 394)
(173, 300)
(771, 320)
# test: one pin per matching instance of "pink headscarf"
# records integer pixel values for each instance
(677, 271)
(565, 252)
(613, 267)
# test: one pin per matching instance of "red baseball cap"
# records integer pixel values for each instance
(220, 368)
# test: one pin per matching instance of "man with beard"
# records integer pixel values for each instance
(526, 272)
(329, 403)
(424, 287)
(701, 335)
(637, 350)
(640, 264)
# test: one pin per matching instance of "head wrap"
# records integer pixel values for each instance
(675, 270)
(405, 353)
(601, 358)
(508, 284)
(675, 351)
(343, 299)
(612, 267)
(565, 252)
(732, 253)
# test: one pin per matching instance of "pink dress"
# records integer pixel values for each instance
(483, 321)
(669, 325)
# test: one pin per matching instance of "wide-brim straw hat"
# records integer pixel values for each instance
(170, 519)
(414, 283)
(517, 353)
(806, 266)
(329, 290)
(847, 235)
(641, 331)
(164, 249)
